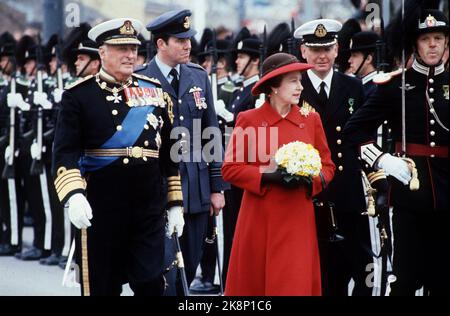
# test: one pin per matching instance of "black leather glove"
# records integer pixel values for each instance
(279, 178)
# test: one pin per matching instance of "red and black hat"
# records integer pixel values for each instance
(276, 65)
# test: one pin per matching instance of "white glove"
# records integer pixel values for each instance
(57, 95)
(396, 167)
(175, 221)
(16, 100)
(80, 212)
(8, 153)
(219, 106)
(40, 98)
(259, 102)
(34, 150)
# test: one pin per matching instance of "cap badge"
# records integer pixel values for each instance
(127, 28)
(431, 21)
(320, 31)
(351, 44)
(240, 45)
(187, 23)
(27, 54)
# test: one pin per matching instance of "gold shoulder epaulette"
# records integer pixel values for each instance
(382, 78)
(79, 81)
(153, 80)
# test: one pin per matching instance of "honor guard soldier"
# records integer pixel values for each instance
(420, 213)
(215, 56)
(81, 53)
(30, 62)
(363, 64)
(363, 59)
(111, 152)
(336, 96)
(7, 75)
(189, 88)
(248, 65)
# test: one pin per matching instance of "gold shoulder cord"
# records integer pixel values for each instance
(169, 102)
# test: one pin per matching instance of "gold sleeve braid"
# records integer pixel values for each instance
(174, 192)
(375, 176)
(68, 181)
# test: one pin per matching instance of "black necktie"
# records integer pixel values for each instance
(175, 82)
(323, 94)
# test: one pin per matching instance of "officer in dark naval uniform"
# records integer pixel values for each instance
(189, 88)
(420, 219)
(111, 152)
(336, 96)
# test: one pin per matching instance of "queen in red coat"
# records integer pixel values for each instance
(275, 250)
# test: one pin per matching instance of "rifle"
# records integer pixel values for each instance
(262, 56)
(8, 171)
(37, 166)
(214, 67)
(292, 41)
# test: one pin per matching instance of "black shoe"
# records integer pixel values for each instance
(8, 250)
(62, 262)
(204, 288)
(33, 254)
(52, 260)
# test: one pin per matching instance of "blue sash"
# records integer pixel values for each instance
(132, 128)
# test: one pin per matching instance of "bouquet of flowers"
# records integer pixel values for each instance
(298, 162)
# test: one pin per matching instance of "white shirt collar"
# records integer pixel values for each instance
(165, 69)
(251, 80)
(222, 80)
(316, 81)
(369, 77)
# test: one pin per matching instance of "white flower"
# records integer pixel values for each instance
(298, 158)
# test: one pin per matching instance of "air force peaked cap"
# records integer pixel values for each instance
(174, 23)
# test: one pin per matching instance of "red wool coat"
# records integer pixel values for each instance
(275, 249)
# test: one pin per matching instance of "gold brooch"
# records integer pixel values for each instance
(306, 109)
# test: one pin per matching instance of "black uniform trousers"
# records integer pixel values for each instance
(233, 199)
(420, 229)
(209, 259)
(340, 261)
(57, 214)
(126, 240)
(5, 207)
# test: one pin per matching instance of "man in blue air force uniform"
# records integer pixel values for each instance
(189, 88)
